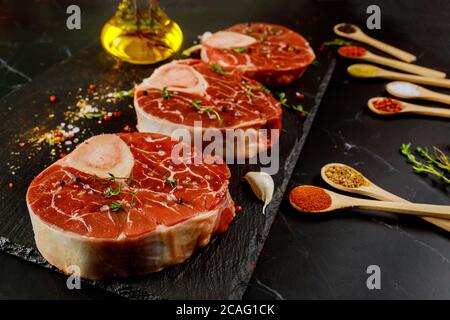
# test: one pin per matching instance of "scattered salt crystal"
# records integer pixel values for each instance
(68, 142)
(76, 130)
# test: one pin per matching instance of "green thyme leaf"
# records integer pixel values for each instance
(217, 69)
(93, 115)
(117, 205)
(166, 95)
(239, 50)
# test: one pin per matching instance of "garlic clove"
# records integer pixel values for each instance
(262, 186)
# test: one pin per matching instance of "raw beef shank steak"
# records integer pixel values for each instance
(183, 92)
(121, 205)
(272, 54)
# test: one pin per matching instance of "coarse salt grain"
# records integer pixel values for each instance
(404, 88)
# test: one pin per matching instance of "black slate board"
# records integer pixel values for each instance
(219, 271)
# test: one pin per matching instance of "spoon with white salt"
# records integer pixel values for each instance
(408, 90)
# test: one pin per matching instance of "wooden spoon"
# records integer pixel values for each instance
(374, 191)
(339, 201)
(422, 93)
(411, 68)
(377, 72)
(410, 108)
(360, 36)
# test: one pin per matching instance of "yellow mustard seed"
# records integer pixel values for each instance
(345, 176)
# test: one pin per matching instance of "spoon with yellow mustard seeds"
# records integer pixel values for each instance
(351, 31)
(348, 179)
(407, 90)
(387, 107)
(313, 199)
(362, 70)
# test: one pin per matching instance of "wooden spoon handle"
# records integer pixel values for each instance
(393, 51)
(445, 83)
(429, 210)
(438, 97)
(429, 111)
(381, 194)
(404, 66)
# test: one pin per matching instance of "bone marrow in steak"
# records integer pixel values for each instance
(182, 92)
(119, 205)
(271, 54)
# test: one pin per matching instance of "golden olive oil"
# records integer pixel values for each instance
(141, 32)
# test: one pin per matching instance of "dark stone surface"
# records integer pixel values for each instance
(304, 257)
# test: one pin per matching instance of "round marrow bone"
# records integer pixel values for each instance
(228, 39)
(102, 155)
(176, 76)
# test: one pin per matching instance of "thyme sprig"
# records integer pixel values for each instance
(117, 205)
(111, 191)
(217, 69)
(239, 49)
(170, 181)
(298, 107)
(338, 42)
(93, 115)
(119, 95)
(439, 159)
(249, 89)
(166, 95)
(197, 104)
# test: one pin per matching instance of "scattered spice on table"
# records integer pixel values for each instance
(404, 88)
(300, 95)
(352, 51)
(436, 163)
(345, 176)
(388, 105)
(52, 99)
(310, 198)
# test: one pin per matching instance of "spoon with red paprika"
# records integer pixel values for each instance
(360, 53)
(387, 107)
(337, 174)
(311, 199)
(351, 31)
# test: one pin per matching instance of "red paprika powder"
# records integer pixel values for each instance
(352, 51)
(310, 198)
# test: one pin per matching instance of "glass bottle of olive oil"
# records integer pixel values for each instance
(140, 32)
